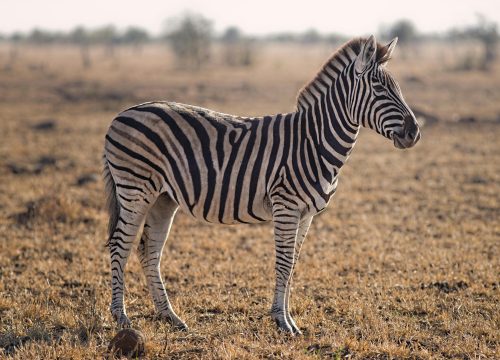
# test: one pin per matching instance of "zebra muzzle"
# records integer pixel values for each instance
(409, 135)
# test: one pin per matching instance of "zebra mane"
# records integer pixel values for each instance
(340, 58)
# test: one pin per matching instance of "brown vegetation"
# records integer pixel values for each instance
(404, 264)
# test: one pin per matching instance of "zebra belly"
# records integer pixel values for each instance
(229, 207)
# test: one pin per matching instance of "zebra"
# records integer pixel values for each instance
(226, 169)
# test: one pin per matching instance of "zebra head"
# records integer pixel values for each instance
(377, 101)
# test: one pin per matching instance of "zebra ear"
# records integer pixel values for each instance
(388, 50)
(367, 55)
(391, 46)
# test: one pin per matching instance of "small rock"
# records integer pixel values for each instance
(68, 256)
(17, 169)
(87, 178)
(414, 79)
(467, 119)
(43, 162)
(34, 168)
(45, 125)
(47, 160)
(478, 180)
(328, 351)
(25, 217)
(129, 343)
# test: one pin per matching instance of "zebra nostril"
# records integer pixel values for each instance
(411, 135)
(410, 128)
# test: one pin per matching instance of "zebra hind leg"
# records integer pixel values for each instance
(120, 243)
(156, 229)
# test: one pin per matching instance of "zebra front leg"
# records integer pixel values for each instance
(301, 235)
(156, 229)
(286, 224)
(120, 243)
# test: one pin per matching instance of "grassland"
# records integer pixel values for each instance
(404, 264)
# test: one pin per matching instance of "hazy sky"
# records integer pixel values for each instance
(348, 17)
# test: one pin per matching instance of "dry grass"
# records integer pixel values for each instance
(404, 264)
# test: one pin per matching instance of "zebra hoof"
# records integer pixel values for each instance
(294, 327)
(175, 322)
(180, 327)
(296, 330)
(122, 320)
(284, 327)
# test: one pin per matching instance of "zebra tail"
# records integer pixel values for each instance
(112, 204)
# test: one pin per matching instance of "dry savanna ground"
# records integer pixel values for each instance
(404, 264)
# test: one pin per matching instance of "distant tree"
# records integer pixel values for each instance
(191, 38)
(282, 37)
(310, 36)
(15, 39)
(487, 33)
(231, 35)
(484, 31)
(107, 36)
(135, 35)
(335, 38)
(38, 36)
(238, 49)
(404, 29)
(81, 37)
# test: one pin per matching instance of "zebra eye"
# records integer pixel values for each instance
(378, 88)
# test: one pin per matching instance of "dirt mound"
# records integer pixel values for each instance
(445, 286)
(52, 209)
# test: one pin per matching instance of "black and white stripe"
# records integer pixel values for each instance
(161, 156)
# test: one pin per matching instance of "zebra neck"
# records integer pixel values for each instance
(330, 130)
